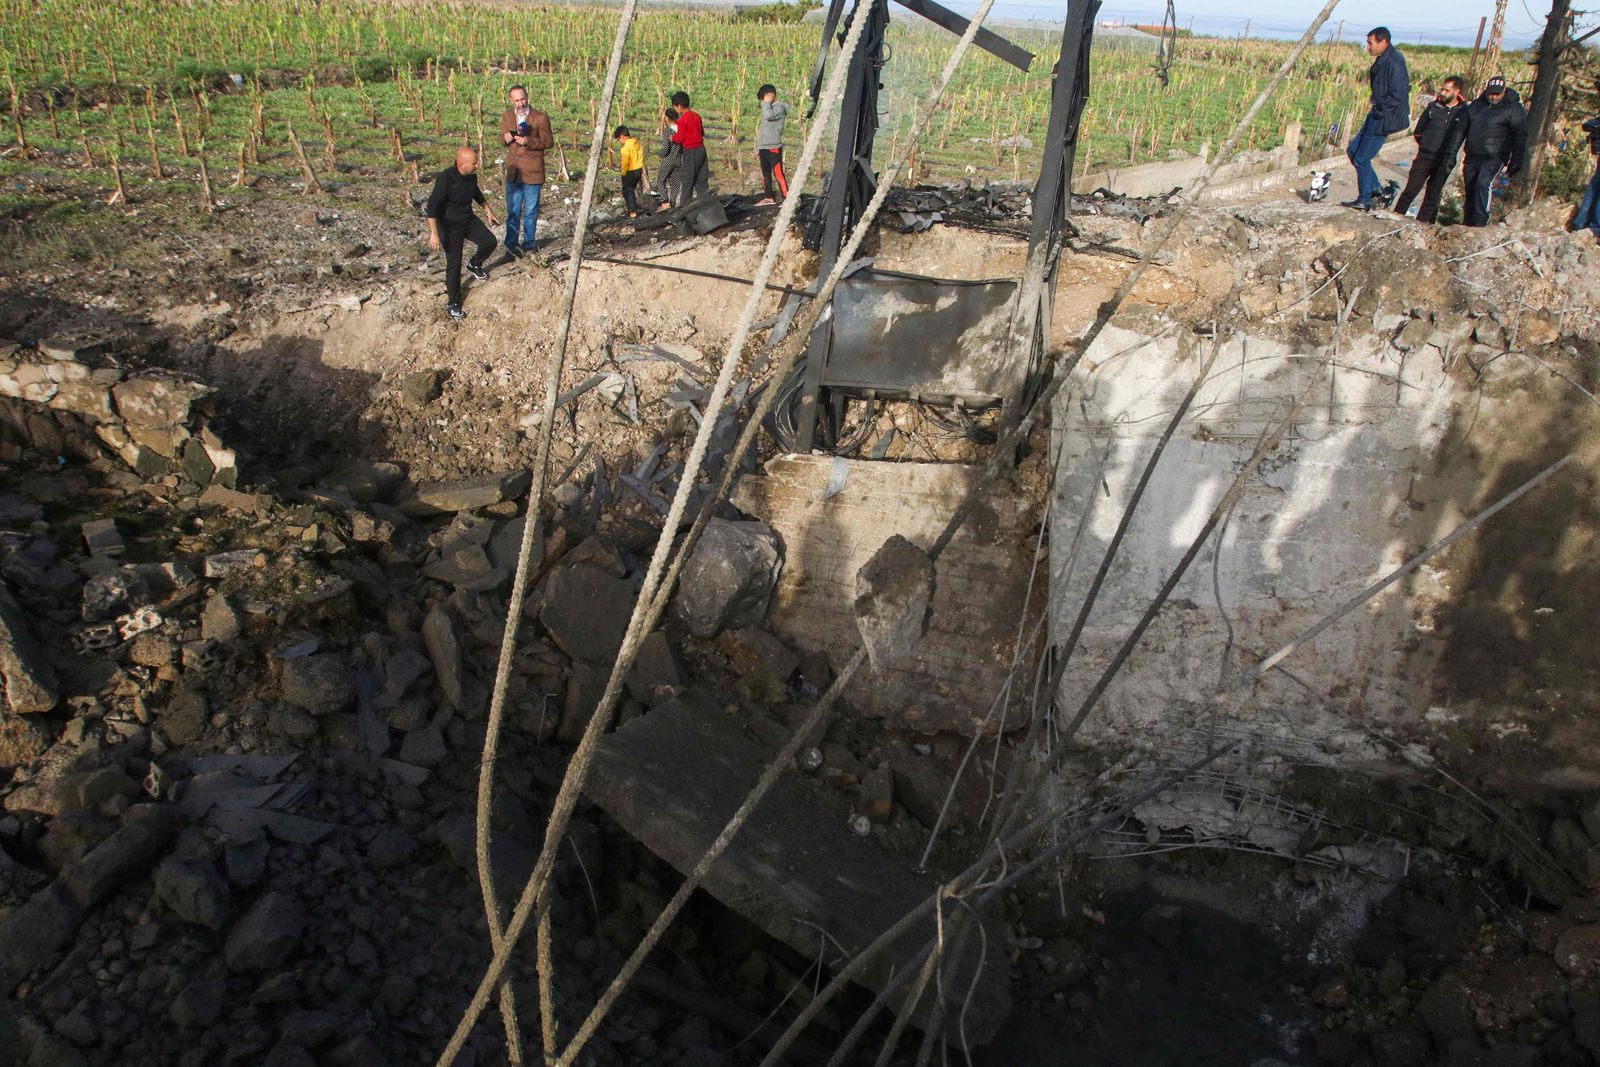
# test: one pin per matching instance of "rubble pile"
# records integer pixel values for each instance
(60, 399)
(239, 746)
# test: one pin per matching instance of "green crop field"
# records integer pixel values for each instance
(374, 89)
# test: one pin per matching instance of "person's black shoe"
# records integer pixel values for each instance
(457, 312)
(477, 272)
(1358, 203)
(513, 252)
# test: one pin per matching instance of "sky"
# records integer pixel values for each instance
(1411, 21)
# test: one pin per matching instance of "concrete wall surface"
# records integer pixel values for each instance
(1388, 451)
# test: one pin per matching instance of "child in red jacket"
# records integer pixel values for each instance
(694, 174)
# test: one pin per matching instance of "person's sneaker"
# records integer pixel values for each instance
(457, 311)
(477, 272)
(513, 252)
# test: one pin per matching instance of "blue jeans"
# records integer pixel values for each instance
(522, 209)
(1363, 149)
(1588, 216)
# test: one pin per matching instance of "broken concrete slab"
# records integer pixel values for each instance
(672, 778)
(30, 681)
(949, 682)
(730, 576)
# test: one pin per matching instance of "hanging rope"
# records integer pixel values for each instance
(536, 888)
(519, 587)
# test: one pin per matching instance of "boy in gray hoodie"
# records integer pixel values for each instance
(769, 144)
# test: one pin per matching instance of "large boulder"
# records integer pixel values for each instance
(729, 578)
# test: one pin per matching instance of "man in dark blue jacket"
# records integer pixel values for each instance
(1391, 113)
(1497, 139)
(1588, 216)
(1439, 134)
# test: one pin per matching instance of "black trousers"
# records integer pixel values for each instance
(453, 237)
(1430, 172)
(694, 175)
(1479, 175)
(630, 188)
(773, 180)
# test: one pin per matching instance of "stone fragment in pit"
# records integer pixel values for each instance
(894, 591)
(219, 621)
(730, 576)
(30, 681)
(420, 388)
(108, 595)
(223, 564)
(444, 649)
(267, 935)
(34, 933)
(655, 676)
(586, 612)
(877, 795)
(464, 494)
(194, 891)
(102, 538)
(764, 663)
(125, 853)
(320, 684)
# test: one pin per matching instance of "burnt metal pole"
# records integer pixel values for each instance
(1052, 195)
(850, 186)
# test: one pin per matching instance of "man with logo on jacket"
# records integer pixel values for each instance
(1496, 139)
(1391, 113)
(525, 132)
(1439, 132)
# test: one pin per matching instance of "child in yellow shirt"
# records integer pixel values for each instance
(632, 153)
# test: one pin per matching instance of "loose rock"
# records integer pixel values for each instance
(729, 578)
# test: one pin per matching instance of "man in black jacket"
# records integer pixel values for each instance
(1391, 113)
(1439, 132)
(451, 224)
(1496, 139)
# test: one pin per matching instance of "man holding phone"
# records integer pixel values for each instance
(526, 134)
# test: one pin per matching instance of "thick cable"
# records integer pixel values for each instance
(519, 588)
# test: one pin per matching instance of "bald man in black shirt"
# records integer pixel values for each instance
(451, 223)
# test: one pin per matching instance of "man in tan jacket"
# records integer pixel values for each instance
(526, 134)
